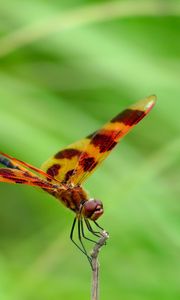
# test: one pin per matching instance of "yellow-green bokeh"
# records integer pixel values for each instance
(66, 68)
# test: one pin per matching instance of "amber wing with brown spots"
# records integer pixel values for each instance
(78, 161)
(21, 165)
(104, 140)
(23, 177)
(61, 166)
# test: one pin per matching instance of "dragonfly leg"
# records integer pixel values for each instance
(96, 233)
(98, 225)
(72, 233)
(89, 227)
(81, 242)
(83, 234)
(83, 250)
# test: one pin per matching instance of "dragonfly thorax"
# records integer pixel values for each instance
(92, 209)
(71, 197)
(77, 200)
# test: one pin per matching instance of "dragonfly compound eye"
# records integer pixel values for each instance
(92, 209)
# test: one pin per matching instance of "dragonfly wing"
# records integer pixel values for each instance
(21, 165)
(61, 166)
(75, 163)
(100, 144)
(23, 177)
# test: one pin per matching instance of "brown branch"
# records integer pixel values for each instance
(95, 265)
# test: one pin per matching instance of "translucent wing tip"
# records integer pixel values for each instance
(146, 104)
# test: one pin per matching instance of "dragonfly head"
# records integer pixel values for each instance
(92, 209)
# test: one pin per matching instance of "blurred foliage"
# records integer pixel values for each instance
(66, 68)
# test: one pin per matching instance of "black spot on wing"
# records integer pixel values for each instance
(88, 163)
(67, 153)
(129, 117)
(7, 173)
(68, 175)
(53, 170)
(104, 142)
(42, 184)
(21, 181)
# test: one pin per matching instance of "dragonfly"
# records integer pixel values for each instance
(63, 174)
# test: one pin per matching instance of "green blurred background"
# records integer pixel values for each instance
(66, 67)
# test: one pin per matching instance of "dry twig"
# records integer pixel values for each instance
(95, 265)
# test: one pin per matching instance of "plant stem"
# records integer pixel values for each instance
(95, 265)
